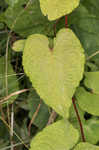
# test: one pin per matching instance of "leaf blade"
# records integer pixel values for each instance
(54, 79)
(56, 136)
(56, 9)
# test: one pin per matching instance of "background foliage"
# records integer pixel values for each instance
(22, 113)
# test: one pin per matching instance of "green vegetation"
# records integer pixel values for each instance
(49, 75)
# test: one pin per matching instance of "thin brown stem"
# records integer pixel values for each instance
(79, 120)
(33, 118)
(52, 117)
(5, 99)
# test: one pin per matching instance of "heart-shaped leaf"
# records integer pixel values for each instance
(56, 8)
(86, 146)
(56, 137)
(55, 73)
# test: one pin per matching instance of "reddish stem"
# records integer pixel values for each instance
(66, 21)
(79, 120)
(55, 27)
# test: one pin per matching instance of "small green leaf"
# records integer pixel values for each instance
(18, 45)
(92, 81)
(56, 9)
(86, 146)
(55, 73)
(89, 102)
(58, 136)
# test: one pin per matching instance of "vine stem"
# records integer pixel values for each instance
(79, 120)
(66, 21)
(54, 27)
(66, 24)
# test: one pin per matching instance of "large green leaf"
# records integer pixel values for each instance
(86, 146)
(87, 101)
(12, 81)
(56, 9)
(55, 73)
(27, 21)
(58, 136)
(92, 81)
(85, 23)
